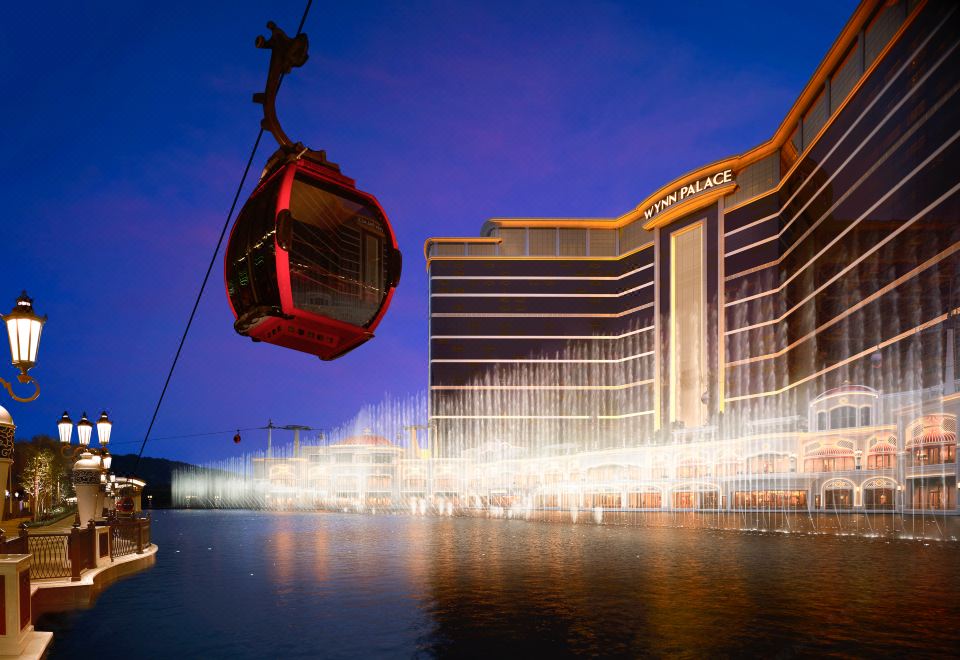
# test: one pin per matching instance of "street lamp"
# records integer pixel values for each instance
(65, 427)
(104, 425)
(23, 328)
(84, 429)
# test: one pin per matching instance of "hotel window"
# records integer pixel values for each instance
(481, 249)
(603, 242)
(821, 421)
(543, 242)
(796, 141)
(789, 151)
(845, 77)
(633, 236)
(688, 329)
(881, 460)
(935, 454)
(838, 498)
(878, 498)
(815, 118)
(573, 242)
(449, 249)
(768, 464)
(881, 29)
(755, 179)
(865, 419)
(514, 241)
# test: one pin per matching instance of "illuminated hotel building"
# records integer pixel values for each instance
(800, 292)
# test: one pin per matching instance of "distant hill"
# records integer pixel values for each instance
(157, 472)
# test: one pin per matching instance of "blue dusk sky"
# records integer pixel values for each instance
(126, 126)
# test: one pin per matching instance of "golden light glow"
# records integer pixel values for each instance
(545, 360)
(451, 239)
(626, 334)
(626, 386)
(543, 295)
(690, 205)
(513, 315)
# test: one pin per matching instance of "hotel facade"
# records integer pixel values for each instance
(774, 330)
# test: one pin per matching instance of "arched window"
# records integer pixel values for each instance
(843, 417)
(882, 456)
(822, 421)
(829, 459)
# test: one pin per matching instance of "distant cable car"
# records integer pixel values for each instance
(312, 263)
(236, 438)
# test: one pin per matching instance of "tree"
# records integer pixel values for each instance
(37, 479)
(60, 464)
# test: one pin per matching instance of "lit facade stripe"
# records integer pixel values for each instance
(751, 225)
(545, 360)
(854, 264)
(607, 337)
(584, 278)
(641, 413)
(543, 295)
(860, 305)
(558, 388)
(750, 271)
(520, 315)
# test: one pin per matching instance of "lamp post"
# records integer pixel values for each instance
(84, 429)
(23, 331)
(104, 426)
(23, 328)
(86, 470)
(65, 428)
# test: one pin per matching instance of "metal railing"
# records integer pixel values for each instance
(51, 555)
(60, 555)
(129, 536)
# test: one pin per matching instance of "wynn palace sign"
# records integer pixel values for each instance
(691, 190)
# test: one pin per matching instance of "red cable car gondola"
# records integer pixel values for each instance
(312, 263)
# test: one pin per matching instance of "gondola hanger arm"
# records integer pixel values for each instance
(285, 55)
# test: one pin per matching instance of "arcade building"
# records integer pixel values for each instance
(774, 330)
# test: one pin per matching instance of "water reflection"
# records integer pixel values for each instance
(338, 585)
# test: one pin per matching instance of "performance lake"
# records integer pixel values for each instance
(245, 584)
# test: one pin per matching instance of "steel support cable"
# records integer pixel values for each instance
(206, 277)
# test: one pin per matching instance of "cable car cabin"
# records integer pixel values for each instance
(311, 263)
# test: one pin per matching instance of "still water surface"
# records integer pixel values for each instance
(244, 584)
